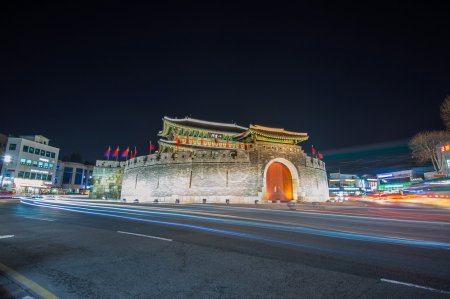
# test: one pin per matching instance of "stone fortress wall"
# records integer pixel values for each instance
(107, 176)
(218, 175)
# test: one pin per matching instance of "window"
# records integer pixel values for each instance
(23, 161)
(67, 175)
(20, 174)
(42, 153)
(35, 164)
(40, 164)
(25, 148)
(33, 176)
(51, 166)
(31, 150)
(49, 178)
(26, 175)
(37, 151)
(52, 155)
(44, 177)
(12, 146)
(46, 165)
(38, 176)
(47, 154)
(28, 162)
(78, 176)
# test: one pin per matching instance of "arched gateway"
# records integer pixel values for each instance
(280, 180)
(279, 183)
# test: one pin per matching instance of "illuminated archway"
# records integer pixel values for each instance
(280, 180)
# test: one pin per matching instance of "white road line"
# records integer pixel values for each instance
(6, 236)
(146, 236)
(414, 285)
(43, 219)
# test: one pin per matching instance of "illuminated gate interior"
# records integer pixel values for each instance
(279, 183)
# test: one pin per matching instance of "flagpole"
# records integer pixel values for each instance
(118, 153)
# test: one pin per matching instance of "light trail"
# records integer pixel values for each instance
(272, 226)
(298, 229)
(267, 211)
(189, 226)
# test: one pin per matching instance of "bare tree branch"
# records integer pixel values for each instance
(445, 112)
(426, 145)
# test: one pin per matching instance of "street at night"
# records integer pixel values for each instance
(225, 150)
(79, 249)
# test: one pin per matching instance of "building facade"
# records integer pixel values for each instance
(398, 180)
(3, 142)
(74, 178)
(342, 185)
(29, 165)
(201, 161)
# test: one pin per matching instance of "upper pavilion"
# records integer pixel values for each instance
(188, 134)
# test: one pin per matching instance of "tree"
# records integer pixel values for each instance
(426, 145)
(445, 112)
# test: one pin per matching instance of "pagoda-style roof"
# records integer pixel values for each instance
(193, 123)
(278, 135)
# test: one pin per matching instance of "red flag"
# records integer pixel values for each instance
(125, 153)
(319, 155)
(134, 154)
(152, 147)
(178, 141)
(313, 150)
(115, 154)
(108, 152)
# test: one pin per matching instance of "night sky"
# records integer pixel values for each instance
(97, 75)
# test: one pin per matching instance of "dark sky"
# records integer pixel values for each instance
(90, 76)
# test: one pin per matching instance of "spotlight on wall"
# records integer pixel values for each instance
(7, 158)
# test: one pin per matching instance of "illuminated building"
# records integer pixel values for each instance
(370, 182)
(444, 154)
(202, 161)
(29, 164)
(73, 178)
(398, 180)
(342, 185)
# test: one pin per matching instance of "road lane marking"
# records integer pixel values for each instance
(146, 236)
(34, 287)
(6, 236)
(43, 219)
(414, 285)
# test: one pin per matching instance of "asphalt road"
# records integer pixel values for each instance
(92, 250)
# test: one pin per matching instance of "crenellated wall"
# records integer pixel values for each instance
(217, 175)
